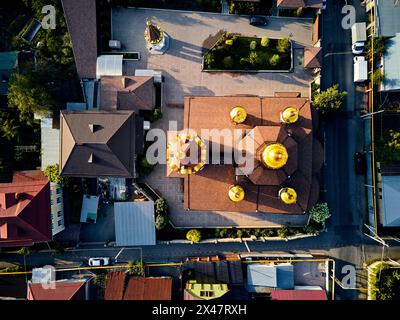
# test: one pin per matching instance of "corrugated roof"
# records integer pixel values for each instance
(81, 19)
(272, 276)
(109, 65)
(120, 286)
(391, 64)
(64, 290)
(50, 143)
(298, 295)
(134, 223)
(387, 17)
(391, 201)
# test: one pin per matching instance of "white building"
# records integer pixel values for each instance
(57, 208)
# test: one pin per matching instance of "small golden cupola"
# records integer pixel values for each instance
(153, 33)
(274, 156)
(236, 193)
(238, 114)
(290, 115)
(288, 195)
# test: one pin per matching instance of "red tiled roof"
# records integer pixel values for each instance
(313, 57)
(298, 295)
(261, 185)
(25, 210)
(119, 286)
(68, 290)
(291, 3)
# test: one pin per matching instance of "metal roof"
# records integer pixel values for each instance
(391, 201)
(273, 276)
(388, 22)
(134, 223)
(50, 143)
(109, 65)
(391, 64)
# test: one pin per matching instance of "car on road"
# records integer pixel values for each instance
(258, 21)
(358, 47)
(99, 261)
(360, 162)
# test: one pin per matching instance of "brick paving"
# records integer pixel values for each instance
(181, 67)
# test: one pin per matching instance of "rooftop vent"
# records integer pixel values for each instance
(91, 158)
(94, 127)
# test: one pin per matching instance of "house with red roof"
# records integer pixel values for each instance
(298, 295)
(25, 213)
(62, 290)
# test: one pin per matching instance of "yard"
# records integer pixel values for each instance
(239, 53)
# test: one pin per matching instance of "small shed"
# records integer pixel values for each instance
(90, 205)
(109, 65)
(134, 223)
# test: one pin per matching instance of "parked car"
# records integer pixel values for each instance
(258, 21)
(99, 261)
(360, 162)
(358, 47)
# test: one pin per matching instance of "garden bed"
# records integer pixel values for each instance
(236, 53)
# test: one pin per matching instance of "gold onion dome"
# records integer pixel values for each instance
(274, 156)
(290, 115)
(153, 33)
(238, 114)
(288, 195)
(236, 193)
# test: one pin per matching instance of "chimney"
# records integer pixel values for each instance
(90, 160)
(7, 200)
(124, 82)
(94, 127)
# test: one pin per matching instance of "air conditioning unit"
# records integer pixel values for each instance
(114, 44)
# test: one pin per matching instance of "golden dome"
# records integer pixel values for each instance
(236, 193)
(238, 114)
(274, 156)
(290, 115)
(153, 33)
(288, 195)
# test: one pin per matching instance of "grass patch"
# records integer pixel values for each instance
(233, 52)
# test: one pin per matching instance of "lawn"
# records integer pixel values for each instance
(239, 53)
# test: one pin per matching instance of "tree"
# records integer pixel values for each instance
(329, 100)
(283, 231)
(9, 128)
(161, 222)
(228, 62)
(309, 229)
(283, 45)
(275, 60)
(264, 41)
(135, 268)
(29, 96)
(378, 77)
(209, 60)
(253, 45)
(24, 251)
(319, 212)
(193, 235)
(161, 206)
(52, 172)
(379, 47)
(388, 148)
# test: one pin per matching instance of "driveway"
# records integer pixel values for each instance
(101, 231)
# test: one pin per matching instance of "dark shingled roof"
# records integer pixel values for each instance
(262, 185)
(81, 19)
(100, 143)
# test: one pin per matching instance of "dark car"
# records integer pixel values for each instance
(360, 162)
(258, 21)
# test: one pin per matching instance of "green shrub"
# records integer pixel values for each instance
(228, 62)
(161, 206)
(264, 41)
(275, 60)
(329, 100)
(378, 77)
(135, 269)
(268, 233)
(283, 45)
(298, 12)
(253, 58)
(209, 60)
(144, 167)
(15, 268)
(244, 62)
(283, 231)
(24, 251)
(229, 42)
(156, 115)
(161, 222)
(319, 212)
(253, 45)
(193, 235)
(309, 229)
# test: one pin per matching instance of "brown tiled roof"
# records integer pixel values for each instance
(99, 143)
(127, 93)
(119, 286)
(80, 16)
(262, 185)
(312, 57)
(68, 290)
(314, 4)
(291, 3)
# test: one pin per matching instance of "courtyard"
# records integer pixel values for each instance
(181, 67)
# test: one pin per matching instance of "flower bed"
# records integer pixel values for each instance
(239, 53)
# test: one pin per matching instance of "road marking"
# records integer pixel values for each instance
(116, 257)
(336, 53)
(247, 246)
